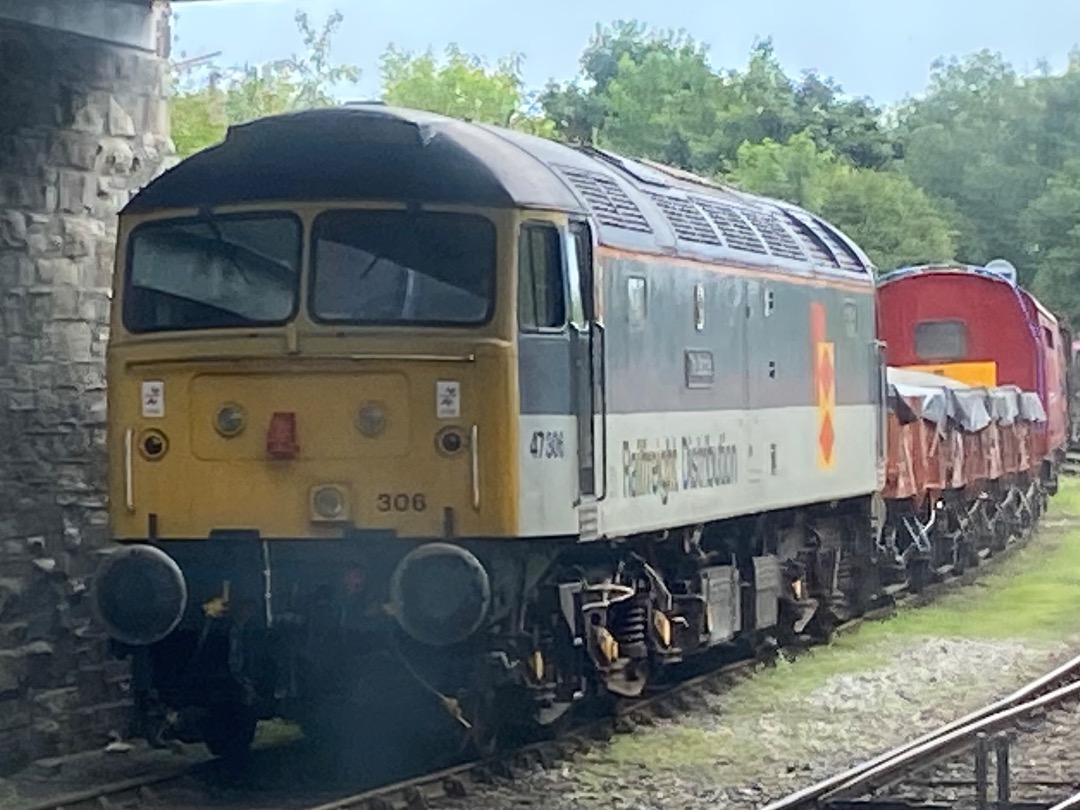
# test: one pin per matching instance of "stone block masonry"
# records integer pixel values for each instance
(83, 124)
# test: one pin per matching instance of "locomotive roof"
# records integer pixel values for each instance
(375, 152)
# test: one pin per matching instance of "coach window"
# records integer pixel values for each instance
(541, 296)
(941, 340)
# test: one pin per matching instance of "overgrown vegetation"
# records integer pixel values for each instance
(986, 164)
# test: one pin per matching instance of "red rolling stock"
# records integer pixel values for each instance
(977, 326)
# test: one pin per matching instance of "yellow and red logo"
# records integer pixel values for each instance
(824, 358)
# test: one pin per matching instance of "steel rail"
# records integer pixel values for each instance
(1070, 803)
(944, 745)
(966, 725)
(103, 792)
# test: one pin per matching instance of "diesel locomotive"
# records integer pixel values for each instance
(521, 421)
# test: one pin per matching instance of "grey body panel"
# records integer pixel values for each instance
(544, 373)
(757, 360)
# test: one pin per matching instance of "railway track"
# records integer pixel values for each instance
(1071, 467)
(458, 780)
(863, 785)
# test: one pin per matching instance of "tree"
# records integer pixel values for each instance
(462, 87)
(893, 220)
(581, 109)
(202, 110)
(655, 94)
(975, 141)
(795, 171)
(1051, 225)
(670, 107)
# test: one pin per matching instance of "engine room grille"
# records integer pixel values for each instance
(845, 256)
(609, 203)
(735, 227)
(779, 239)
(815, 244)
(686, 218)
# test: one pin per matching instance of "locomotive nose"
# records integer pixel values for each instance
(139, 595)
(440, 594)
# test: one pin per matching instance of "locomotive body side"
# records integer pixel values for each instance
(704, 424)
(731, 343)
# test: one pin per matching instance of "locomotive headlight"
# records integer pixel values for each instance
(229, 420)
(328, 502)
(370, 420)
(153, 444)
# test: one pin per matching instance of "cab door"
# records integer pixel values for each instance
(587, 365)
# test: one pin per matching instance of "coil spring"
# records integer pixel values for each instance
(628, 628)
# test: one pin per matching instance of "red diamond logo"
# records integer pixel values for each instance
(826, 437)
(825, 373)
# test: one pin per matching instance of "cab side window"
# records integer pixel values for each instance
(541, 298)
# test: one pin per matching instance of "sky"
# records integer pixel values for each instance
(877, 48)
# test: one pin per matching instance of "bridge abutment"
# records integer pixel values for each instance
(83, 125)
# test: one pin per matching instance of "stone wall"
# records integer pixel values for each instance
(82, 125)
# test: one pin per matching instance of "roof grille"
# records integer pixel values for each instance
(818, 249)
(842, 255)
(608, 202)
(686, 218)
(780, 240)
(736, 228)
(847, 257)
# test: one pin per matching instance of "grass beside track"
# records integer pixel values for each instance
(1032, 599)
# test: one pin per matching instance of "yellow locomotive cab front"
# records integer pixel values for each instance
(251, 388)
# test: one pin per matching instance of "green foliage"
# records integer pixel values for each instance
(202, 111)
(1051, 225)
(461, 87)
(987, 140)
(796, 171)
(683, 125)
(891, 218)
(983, 165)
(655, 94)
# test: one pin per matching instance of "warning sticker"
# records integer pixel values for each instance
(153, 399)
(447, 399)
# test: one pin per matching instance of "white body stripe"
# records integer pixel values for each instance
(674, 469)
(549, 481)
